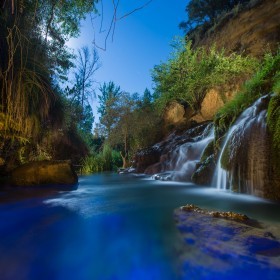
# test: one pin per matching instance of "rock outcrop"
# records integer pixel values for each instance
(44, 173)
(181, 117)
(174, 113)
(253, 30)
(226, 245)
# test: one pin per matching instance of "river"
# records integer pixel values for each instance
(111, 227)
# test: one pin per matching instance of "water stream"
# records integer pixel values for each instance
(189, 154)
(182, 161)
(111, 227)
(244, 152)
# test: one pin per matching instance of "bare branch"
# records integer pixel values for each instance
(102, 14)
(114, 19)
(135, 10)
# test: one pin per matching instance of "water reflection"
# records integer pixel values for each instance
(111, 227)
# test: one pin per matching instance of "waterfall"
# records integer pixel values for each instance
(242, 165)
(188, 155)
(181, 163)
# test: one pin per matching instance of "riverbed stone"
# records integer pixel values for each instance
(44, 173)
(226, 245)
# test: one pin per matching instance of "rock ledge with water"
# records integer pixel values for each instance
(226, 245)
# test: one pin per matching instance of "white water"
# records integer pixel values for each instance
(189, 154)
(223, 179)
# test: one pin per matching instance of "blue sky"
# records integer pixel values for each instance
(141, 40)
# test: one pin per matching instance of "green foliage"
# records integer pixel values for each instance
(34, 59)
(106, 160)
(273, 120)
(108, 105)
(264, 81)
(128, 122)
(188, 75)
(107, 156)
(92, 164)
(273, 114)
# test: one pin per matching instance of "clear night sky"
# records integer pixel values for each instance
(141, 40)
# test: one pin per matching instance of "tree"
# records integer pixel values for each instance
(86, 65)
(122, 132)
(147, 97)
(201, 12)
(34, 57)
(33, 61)
(108, 109)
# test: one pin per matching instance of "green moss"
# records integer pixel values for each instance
(225, 159)
(273, 120)
(208, 151)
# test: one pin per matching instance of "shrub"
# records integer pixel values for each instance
(264, 81)
(188, 75)
(107, 160)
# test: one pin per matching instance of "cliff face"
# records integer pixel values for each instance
(248, 160)
(253, 30)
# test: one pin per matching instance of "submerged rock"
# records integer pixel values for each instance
(44, 173)
(226, 245)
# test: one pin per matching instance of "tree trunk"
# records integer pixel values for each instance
(125, 160)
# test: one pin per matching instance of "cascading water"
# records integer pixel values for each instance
(242, 165)
(183, 159)
(189, 155)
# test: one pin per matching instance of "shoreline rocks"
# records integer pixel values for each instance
(43, 173)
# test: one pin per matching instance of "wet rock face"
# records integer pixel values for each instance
(147, 157)
(44, 173)
(226, 245)
(204, 171)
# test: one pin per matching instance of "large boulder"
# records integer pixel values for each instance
(174, 113)
(44, 173)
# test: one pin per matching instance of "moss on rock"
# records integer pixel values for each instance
(44, 173)
(204, 171)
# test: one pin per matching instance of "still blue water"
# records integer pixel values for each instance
(111, 227)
